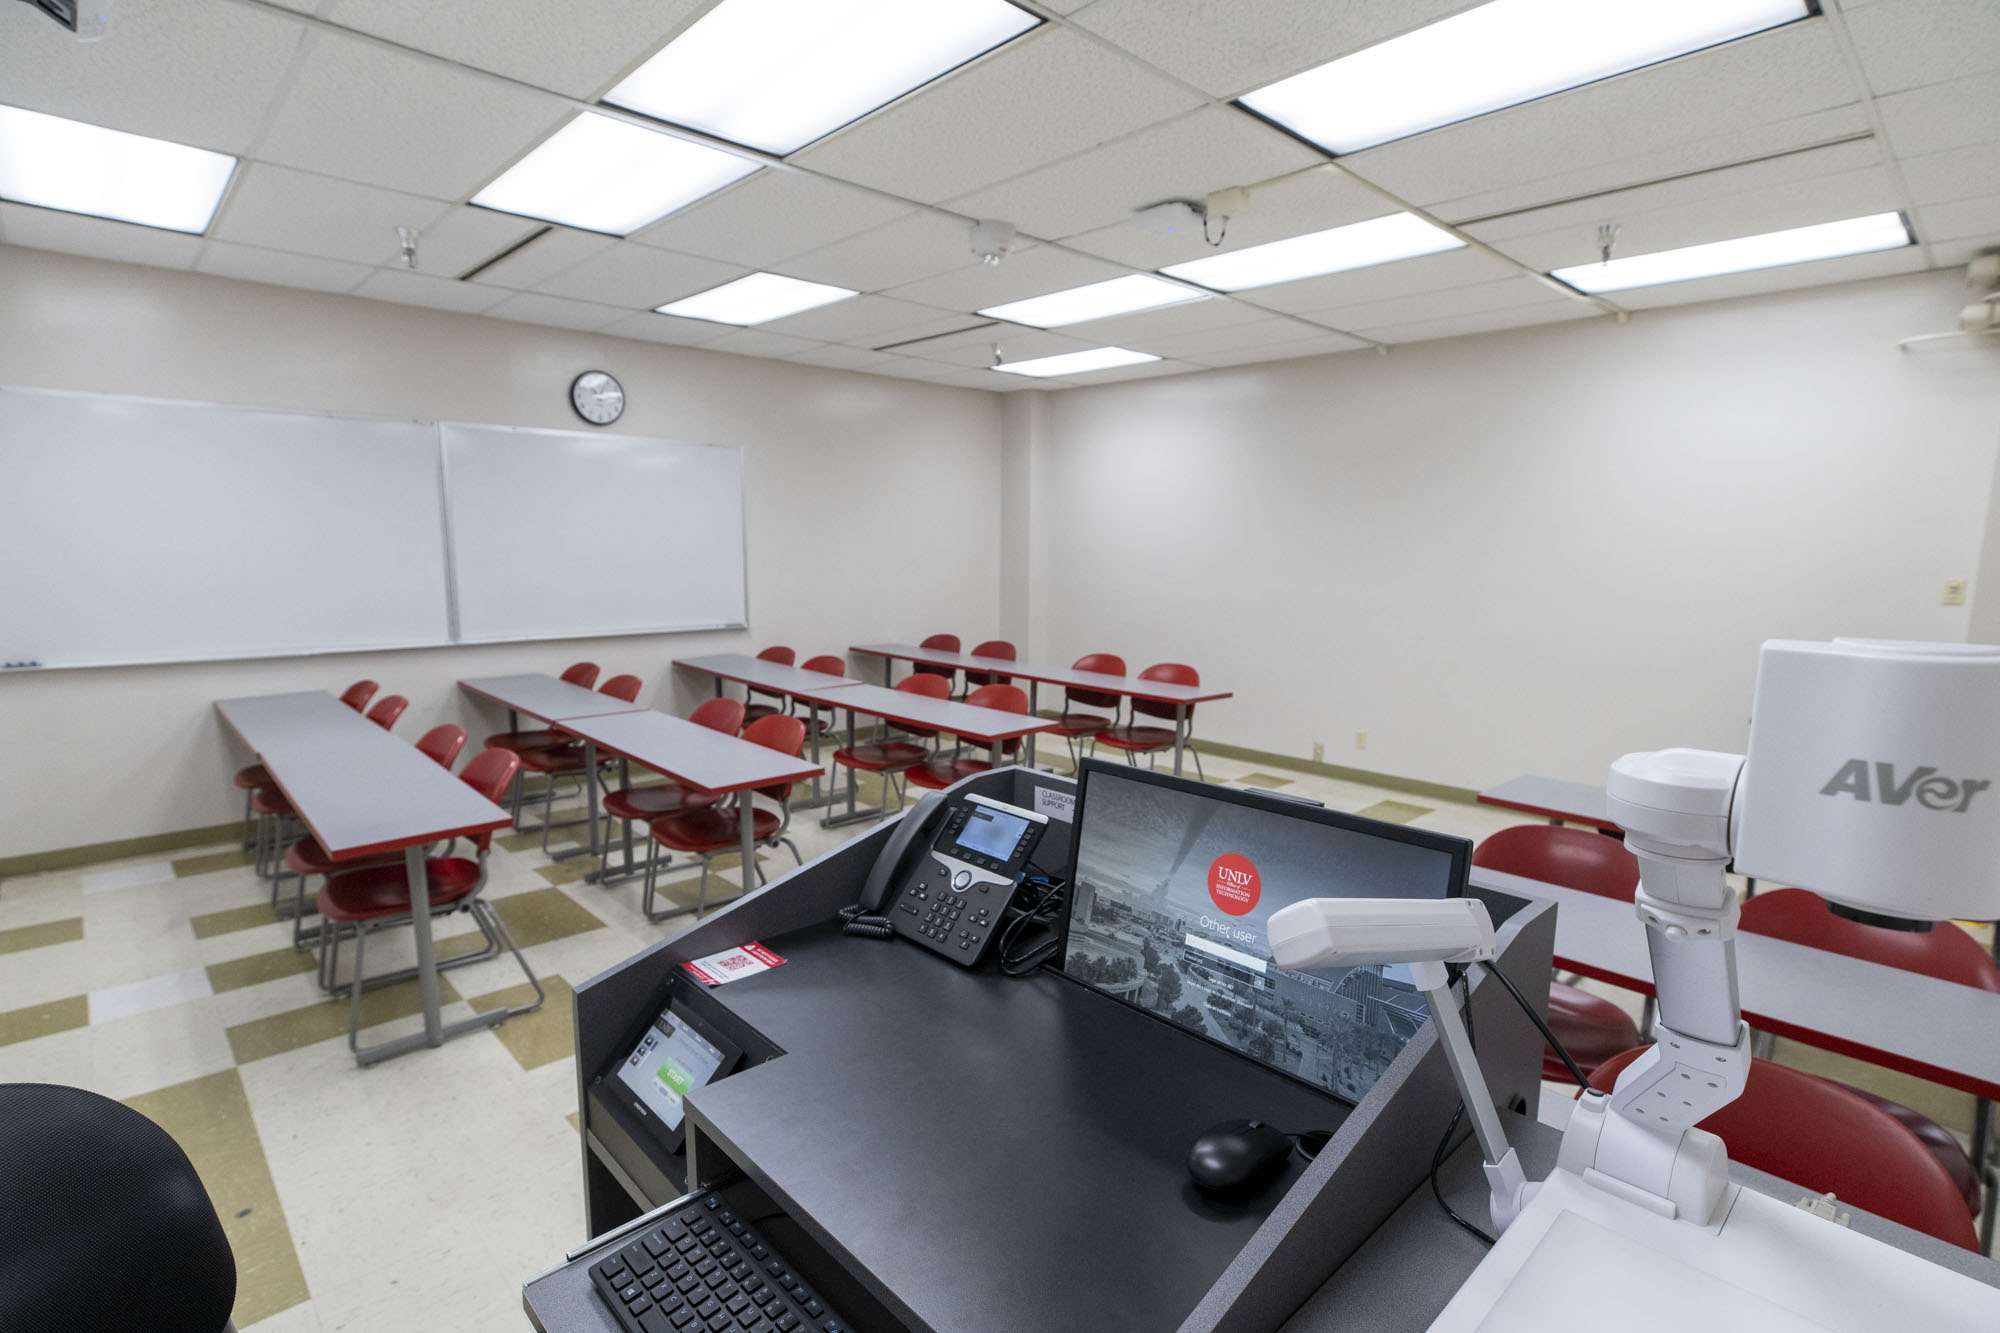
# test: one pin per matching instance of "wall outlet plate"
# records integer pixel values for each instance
(1954, 592)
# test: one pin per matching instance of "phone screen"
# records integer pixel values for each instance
(992, 833)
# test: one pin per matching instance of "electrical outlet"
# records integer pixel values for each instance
(1319, 752)
(1954, 592)
(1360, 740)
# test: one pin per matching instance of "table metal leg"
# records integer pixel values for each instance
(853, 814)
(594, 847)
(436, 1032)
(1180, 736)
(1034, 688)
(746, 814)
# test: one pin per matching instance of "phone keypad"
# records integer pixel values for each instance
(955, 921)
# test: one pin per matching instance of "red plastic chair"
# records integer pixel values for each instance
(752, 710)
(889, 757)
(1590, 1027)
(567, 757)
(1073, 725)
(991, 648)
(939, 643)
(374, 897)
(625, 689)
(710, 832)
(387, 711)
(357, 695)
(1135, 739)
(937, 774)
(442, 743)
(671, 797)
(827, 664)
(1824, 1136)
(580, 673)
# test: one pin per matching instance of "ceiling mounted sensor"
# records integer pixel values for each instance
(406, 238)
(1170, 217)
(993, 240)
(1980, 320)
(88, 19)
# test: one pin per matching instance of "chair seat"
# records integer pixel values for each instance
(751, 712)
(378, 891)
(1591, 1028)
(308, 857)
(1937, 1139)
(270, 801)
(712, 830)
(941, 773)
(254, 777)
(1137, 738)
(881, 756)
(556, 759)
(538, 739)
(664, 798)
(1080, 724)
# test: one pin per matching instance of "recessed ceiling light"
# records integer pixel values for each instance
(65, 164)
(757, 299)
(1498, 55)
(1357, 245)
(1826, 240)
(600, 174)
(1076, 363)
(1099, 300)
(778, 74)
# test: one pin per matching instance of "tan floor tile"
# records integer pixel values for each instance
(260, 967)
(543, 1036)
(544, 915)
(1265, 780)
(575, 1121)
(571, 871)
(1394, 812)
(262, 1038)
(234, 918)
(210, 1119)
(39, 1020)
(36, 937)
(234, 859)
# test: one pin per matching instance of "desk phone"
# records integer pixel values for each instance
(949, 871)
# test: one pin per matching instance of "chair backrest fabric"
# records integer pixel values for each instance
(828, 664)
(490, 773)
(443, 743)
(582, 673)
(625, 689)
(723, 715)
(1006, 698)
(1104, 664)
(1167, 673)
(357, 695)
(781, 732)
(931, 686)
(1556, 854)
(386, 711)
(782, 656)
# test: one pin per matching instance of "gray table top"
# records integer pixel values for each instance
(1578, 802)
(545, 697)
(984, 725)
(700, 756)
(748, 670)
(1129, 686)
(1920, 1025)
(358, 788)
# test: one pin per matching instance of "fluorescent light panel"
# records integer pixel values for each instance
(1099, 300)
(778, 74)
(757, 299)
(65, 164)
(1078, 363)
(1798, 245)
(1357, 245)
(601, 174)
(1498, 55)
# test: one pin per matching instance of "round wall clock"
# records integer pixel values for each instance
(597, 397)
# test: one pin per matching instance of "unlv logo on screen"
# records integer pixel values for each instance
(1233, 883)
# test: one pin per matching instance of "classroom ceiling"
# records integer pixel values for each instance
(355, 117)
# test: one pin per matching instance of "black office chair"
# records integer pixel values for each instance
(104, 1225)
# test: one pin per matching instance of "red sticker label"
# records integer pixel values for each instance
(1233, 883)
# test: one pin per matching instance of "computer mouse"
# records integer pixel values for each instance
(1238, 1157)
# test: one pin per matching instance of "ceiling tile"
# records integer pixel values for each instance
(546, 256)
(654, 328)
(1135, 330)
(1322, 344)
(535, 308)
(1044, 96)
(1960, 173)
(199, 72)
(1965, 218)
(1308, 202)
(990, 380)
(1198, 344)
(1016, 344)
(911, 339)
(1956, 254)
(915, 368)
(1185, 158)
(639, 277)
(770, 217)
(858, 319)
(253, 264)
(1025, 273)
(281, 209)
(1789, 278)
(756, 342)
(1944, 115)
(840, 358)
(1262, 40)
(577, 47)
(366, 113)
(1773, 76)
(1485, 321)
(467, 237)
(99, 238)
(1382, 282)
(1919, 42)
(1505, 294)
(407, 288)
(920, 245)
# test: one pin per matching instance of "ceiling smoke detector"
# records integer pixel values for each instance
(993, 240)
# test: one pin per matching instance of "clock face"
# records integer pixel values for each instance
(597, 397)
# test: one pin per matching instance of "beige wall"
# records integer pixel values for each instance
(842, 470)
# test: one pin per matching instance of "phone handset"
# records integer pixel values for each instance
(888, 872)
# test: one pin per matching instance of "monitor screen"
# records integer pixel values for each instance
(671, 1060)
(1174, 882)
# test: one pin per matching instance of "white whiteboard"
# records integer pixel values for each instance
(560, 533)
(139, 530)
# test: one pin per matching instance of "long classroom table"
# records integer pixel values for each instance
(772, 678)
(1182, 697)
(554, 701)
(363, 792)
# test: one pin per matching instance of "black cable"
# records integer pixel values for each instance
(1041, 909)
(857, 920)
(1539, 1022)
(1451, 1127)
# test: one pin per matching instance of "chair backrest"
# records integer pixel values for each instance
(1104, 664)
(828, 664)
(582, 673)
(938, 643)
(781, 732)
(723, 715)
(625, 689)
(991, 648)
(1944, 951)
(490, 773)
(1554, 854)
(1006, 698)
(1167, 673)
(387, 710)
(357, 695)
(443, 743)
(932, 686)
(782, 656)
(1816, 1133)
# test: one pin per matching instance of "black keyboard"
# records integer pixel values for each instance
(704, 1270)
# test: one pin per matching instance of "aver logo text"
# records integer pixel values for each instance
(1879, 782)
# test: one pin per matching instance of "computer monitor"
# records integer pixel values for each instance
(1173, 883)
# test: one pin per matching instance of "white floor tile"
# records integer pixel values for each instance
(138, 997)
(128, 877)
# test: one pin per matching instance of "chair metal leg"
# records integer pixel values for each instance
(249, 834)
(1197, 761)
(483, 913)
(355, 988)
